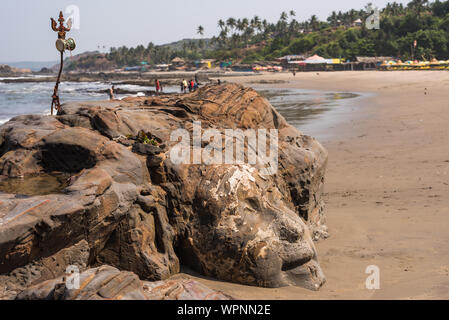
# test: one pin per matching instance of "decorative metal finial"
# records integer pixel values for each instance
(61, 30)
(61, 45)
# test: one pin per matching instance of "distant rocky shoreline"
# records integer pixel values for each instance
(135, 78)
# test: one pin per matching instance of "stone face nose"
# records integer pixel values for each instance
(296, 251)
(290, 232)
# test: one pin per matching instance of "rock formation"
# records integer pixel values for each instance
(128, 205)
(108, 283)
(7, 71)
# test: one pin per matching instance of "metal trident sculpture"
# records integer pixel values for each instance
(61, 45)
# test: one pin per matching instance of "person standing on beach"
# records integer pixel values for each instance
(185, 85)
(158, 86)
(111, 93)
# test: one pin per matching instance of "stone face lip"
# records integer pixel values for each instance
(109, 283)
(129, 206)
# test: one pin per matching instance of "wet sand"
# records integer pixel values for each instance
(387, 187)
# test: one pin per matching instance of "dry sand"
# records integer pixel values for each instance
(386, 190)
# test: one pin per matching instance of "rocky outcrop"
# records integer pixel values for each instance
(108, 283)
(7, 71)
(128, 204)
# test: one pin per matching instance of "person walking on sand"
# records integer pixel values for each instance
(111, 93)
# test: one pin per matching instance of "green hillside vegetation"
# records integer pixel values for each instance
(249, 40)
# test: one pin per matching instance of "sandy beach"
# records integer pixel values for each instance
(386, 187)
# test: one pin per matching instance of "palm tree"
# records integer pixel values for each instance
(265, 25)
(231, 23)
(418, 5)
(332, 19)
(239, 26)
(265, 28)
(283, 17)
(292, 13)
(200, 30)
(293, 28)
(223, 36)
(314, 23)
(244, 28)
(221, 24)
(257, 24)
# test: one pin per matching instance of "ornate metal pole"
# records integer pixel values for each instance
(61, 45)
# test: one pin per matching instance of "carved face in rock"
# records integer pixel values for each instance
(242, 231)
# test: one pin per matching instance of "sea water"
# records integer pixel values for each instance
(35, 97)
(311, 111)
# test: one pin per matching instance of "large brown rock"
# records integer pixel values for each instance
(133, 208)
(108, 283)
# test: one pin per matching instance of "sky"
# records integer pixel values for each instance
(25, 33)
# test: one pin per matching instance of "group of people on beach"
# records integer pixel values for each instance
(191, 85)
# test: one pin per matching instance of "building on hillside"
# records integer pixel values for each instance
(357, 23)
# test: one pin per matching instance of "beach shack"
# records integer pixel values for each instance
(315, 63)
(178, 64)
(370, 63)
(162, 67)
(205, 64)
(242, 68)
(289, 61)
(225, 64)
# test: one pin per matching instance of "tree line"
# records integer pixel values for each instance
(255, 39)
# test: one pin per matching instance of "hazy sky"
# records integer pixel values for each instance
(25, 33)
